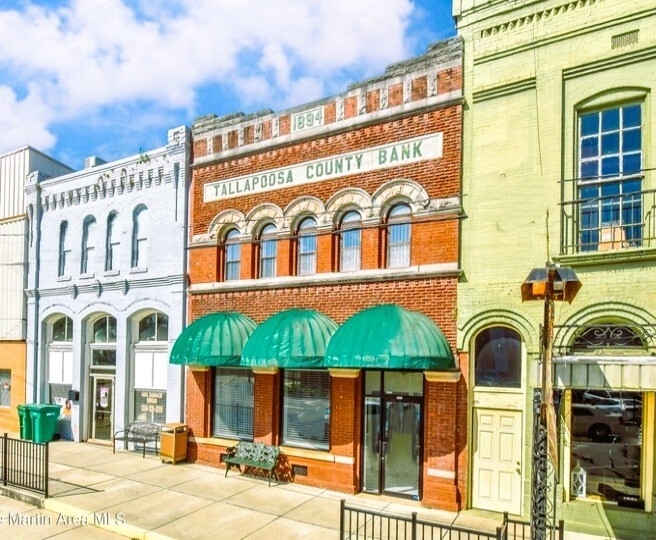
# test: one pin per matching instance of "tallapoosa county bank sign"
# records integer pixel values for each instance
(376, 158)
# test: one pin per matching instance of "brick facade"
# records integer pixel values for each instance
(416, 99)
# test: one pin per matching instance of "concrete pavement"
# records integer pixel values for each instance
(97, 494)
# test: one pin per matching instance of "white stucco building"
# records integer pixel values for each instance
(106, 289)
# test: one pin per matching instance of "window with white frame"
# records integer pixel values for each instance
(306, 408)
(150, 368)
(233, 404)
(154, 327)
(112, 243)
(398, 236)
(307, 247)
(268, 251)
(88, 244)
(5, 387)
(139, 237)
(103, 344)
(60, 358)
(350, 242)
(232, 254)
(64, 250)
(610, 178)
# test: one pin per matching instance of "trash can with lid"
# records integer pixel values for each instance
(44, 422)
(25, 421)
(173, 443)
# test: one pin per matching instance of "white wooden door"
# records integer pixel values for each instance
(497, 461)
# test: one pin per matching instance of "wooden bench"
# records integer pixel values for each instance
(252, 454)
(138, 432)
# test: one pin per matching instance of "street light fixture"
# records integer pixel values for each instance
(549, 283)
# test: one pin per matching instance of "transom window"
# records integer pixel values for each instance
(154, 327)
(398, 236)
(232, 250)
(62, 329)
(498, 358)
(268, 251)
(307, 247)
(610, 184)
(350, 242)
(103, 345)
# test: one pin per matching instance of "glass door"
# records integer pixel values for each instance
(392, 446)
(102, 408)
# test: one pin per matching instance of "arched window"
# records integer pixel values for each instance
(139, 237)
(350, 242)
(88, 244)
(232, 254)
(111, 242)
(154, 327)
(398, 236)
(498, 358)
(62, 329)
(64, 251)
(307, 247)
(268, 251)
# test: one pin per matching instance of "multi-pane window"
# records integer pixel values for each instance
(60, 359)
(268, 251)
(111, 242)
(306, 408)
(498, 358)
(233, 404)
(103, 346)
(610, 166)
(350, 242)
(64, 251)
(154, 327)
(232, 250)
(62, 329)
(88, 247)
(139, 237)
(398, 236)
(307, 247)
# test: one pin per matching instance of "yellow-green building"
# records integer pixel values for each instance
(559, 159)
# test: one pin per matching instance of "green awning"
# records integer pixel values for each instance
(295, 338)
(216, 339)
(389, 337)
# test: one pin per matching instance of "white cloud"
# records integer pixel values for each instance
(64, 63)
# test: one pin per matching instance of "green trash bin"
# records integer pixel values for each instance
(25, 421)
(44, 422)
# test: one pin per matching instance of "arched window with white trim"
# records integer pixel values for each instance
(398, 236)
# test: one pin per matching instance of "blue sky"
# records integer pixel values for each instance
(108, 78)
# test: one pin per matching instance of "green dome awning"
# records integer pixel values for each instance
(216, 339)
(389, 337)
(293, 339)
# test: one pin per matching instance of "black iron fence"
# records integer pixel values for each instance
(366, 524)
(24, 464)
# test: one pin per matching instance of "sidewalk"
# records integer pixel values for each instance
(97, 494)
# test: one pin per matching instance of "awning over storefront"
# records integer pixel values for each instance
(216, 339)
(389, 337)
(292, 339)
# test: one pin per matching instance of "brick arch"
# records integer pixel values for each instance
(400, 190)
(263, 212)
(223, 220)
(302, 207)
(345, 200)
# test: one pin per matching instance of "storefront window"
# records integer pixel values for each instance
(498, 358)
(306, 408)
(606, 429)
(233, 404)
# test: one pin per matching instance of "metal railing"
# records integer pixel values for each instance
(366, 524)
(621, 221)
(24, 464)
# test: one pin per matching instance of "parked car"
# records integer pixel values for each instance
(615, 401)
(595, 422)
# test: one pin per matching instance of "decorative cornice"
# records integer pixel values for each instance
(631, 57)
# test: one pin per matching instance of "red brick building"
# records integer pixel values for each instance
(323, 267)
